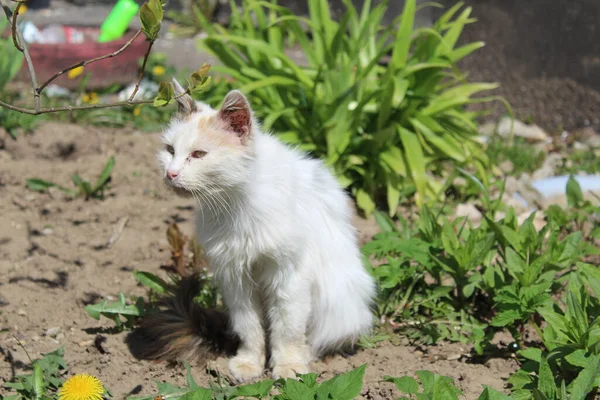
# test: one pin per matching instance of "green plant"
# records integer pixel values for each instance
(12, 59)
(385, 130)
(84, 188)
(43, 381)
(524, 157)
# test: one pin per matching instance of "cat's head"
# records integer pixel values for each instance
(206, 149)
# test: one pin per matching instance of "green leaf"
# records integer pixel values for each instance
(40, 185)
(403, 36)
(416, 161)
(546, 383)
(105, 174)
(364, 201)
(385, 223)
(346, 386)
(151, 281)
(531, 353)
(405, 384)
(492, 394)
(585, 381)
(197, 394)
(39, 385)
(293, 389)
(574, 193)
(504, 318)
(259, 389)
(166, 93)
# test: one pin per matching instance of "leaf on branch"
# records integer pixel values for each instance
(166, 92)
(199, 80)
(151, 16)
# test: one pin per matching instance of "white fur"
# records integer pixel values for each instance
(277, 231)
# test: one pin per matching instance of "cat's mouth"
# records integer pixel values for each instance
(178, 189)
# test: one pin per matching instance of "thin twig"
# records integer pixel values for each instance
(72, 108)
(139, 82)
(125, 103)
(84, 63)
(20, 45)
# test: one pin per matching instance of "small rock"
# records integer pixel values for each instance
(21, 312)
(56, 194)
(85, 343)
(549, 167)
(454, 357)
(47, 231)
(52, 332)
(507, 167)
(530, 132)
(487, 129)
(468, 210)
(60, 336)
(580, 146)
(30, 197)
(35, 338)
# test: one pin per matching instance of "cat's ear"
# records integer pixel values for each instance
(185, 104)
(236, 113)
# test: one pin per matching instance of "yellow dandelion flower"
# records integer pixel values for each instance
(158, 70)
(136, 111)
(81, 387)
(93, 98)
(75, 72)
(85, 98)
(23, 9)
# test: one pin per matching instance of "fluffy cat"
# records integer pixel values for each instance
(276, 230)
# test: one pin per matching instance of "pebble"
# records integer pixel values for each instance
(52, 332)
(530, 132)
(21, 312)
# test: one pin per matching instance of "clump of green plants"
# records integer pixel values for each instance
(580, 161)
(525, 157)
(42, 382)
(448, 280)
(385, 127)
(83, 188)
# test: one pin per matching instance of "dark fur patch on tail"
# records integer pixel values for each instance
(183, 330)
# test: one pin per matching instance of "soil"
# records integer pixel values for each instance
(54, 260)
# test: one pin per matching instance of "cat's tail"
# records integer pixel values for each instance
(183, 330)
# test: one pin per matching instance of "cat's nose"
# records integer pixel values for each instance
(172, 175)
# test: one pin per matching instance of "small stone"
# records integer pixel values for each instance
(60, 336)
(454, 357)
(35, 338)
(47, 231)
(507, 166)
(85, 343)
(30, 197)
(530, 132)
(580, 146)
(468, 210)
(21, 312)
(52, 332)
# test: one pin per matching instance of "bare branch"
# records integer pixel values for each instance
(20, 45)
(137, 85)
(72, 108)
(84, 63)
(126, 103)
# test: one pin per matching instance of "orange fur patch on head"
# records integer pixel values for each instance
(214, 130)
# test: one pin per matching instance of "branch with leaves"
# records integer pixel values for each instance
(151, 16)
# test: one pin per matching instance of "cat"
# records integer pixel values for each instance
(277, 232)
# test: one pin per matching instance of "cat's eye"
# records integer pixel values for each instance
(198, 154)
(170, 149)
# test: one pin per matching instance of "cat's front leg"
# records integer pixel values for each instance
(289, 308)
(246, 319)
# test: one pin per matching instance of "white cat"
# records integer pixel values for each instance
(276, 229)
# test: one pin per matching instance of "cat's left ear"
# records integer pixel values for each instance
(185, 104)
(236, 114)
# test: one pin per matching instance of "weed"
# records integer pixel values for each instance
(523, 156)
(84, 188)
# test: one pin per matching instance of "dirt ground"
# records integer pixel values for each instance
(54, 260)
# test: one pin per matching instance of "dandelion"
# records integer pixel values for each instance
(23, 9)
(81, 387)
(137, 110)
(75, 72)
(158, 70)
(90, 98)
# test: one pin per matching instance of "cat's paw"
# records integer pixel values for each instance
(244, 369)
(289, 370)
